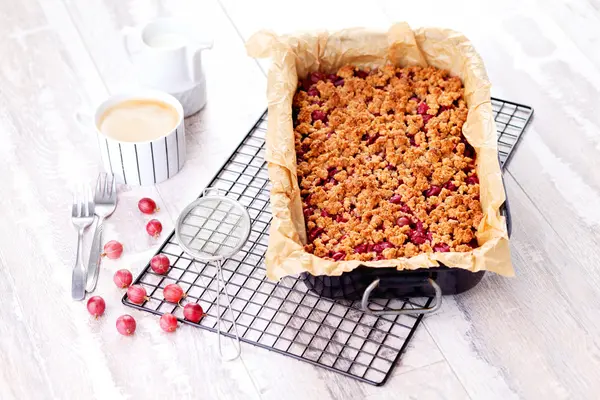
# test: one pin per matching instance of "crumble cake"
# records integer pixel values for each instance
(383, 167)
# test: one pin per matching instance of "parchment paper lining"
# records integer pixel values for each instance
(297, 55)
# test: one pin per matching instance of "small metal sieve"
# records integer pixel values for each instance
(212, 229)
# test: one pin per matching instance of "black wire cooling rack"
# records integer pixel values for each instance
(285, 316)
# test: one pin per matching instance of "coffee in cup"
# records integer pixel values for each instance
(138, 120)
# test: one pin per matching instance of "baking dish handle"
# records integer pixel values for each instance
(424, 310)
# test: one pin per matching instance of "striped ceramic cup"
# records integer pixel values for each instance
(143, 162)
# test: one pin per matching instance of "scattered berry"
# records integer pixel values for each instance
(112, 250)
(193, 312)
(126, 325)
(96, 306)
(168, 322)
(147, 206)
(160, 264)
(122, 278)
(173, 293)
(137, 294)
(154, 228)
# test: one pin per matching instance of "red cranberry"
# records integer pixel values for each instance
(422, 108)
(306, 84)
(314, 233)
(413, 142)
(332, 180)
(396, 199)
(426, 118)
(340, 218)
(417, 237)
(380, 257)
(324, 213)
(390, 167)
(318, 115)
(361, 248)
(370, 247)
(405, 209)
(419, 227)
(444, 108)
(380, 247)
(338, 255)
(473, 243)
(332, 77)
(441, 247)
(398, 75)
(469, 150)
(317, 76)
(361, 74)
(372, 139)
(313, 91)
(331, 172)
(308, 211)
(413, 99)
(429, 236)
(450, 186)
(434, 190)
(339, 82)
(403, 221)
(305, 147)
(472, 180)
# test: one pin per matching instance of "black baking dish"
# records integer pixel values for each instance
(387, 283)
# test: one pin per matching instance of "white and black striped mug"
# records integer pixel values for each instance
(141, 162)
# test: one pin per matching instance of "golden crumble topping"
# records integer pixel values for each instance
(383, 167)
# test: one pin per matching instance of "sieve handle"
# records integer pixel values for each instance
(221, 285)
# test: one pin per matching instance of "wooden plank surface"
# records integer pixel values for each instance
(534, 336)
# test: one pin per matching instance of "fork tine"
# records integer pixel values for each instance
(99, 183)
(106, 183)
(90, 203)
(79, 202)
(86, 200)
(100, 190)
(113, 189)
(74, 206)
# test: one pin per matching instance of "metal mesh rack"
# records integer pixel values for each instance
(511, 120)
(285, 316)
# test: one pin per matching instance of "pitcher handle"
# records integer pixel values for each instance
(194, 59)
(131, 40)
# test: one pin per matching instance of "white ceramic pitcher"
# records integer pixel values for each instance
(167, 55)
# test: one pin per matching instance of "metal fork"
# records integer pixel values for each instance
(82, 215)
(106, 202)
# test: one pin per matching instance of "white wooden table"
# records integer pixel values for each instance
(536, 336)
